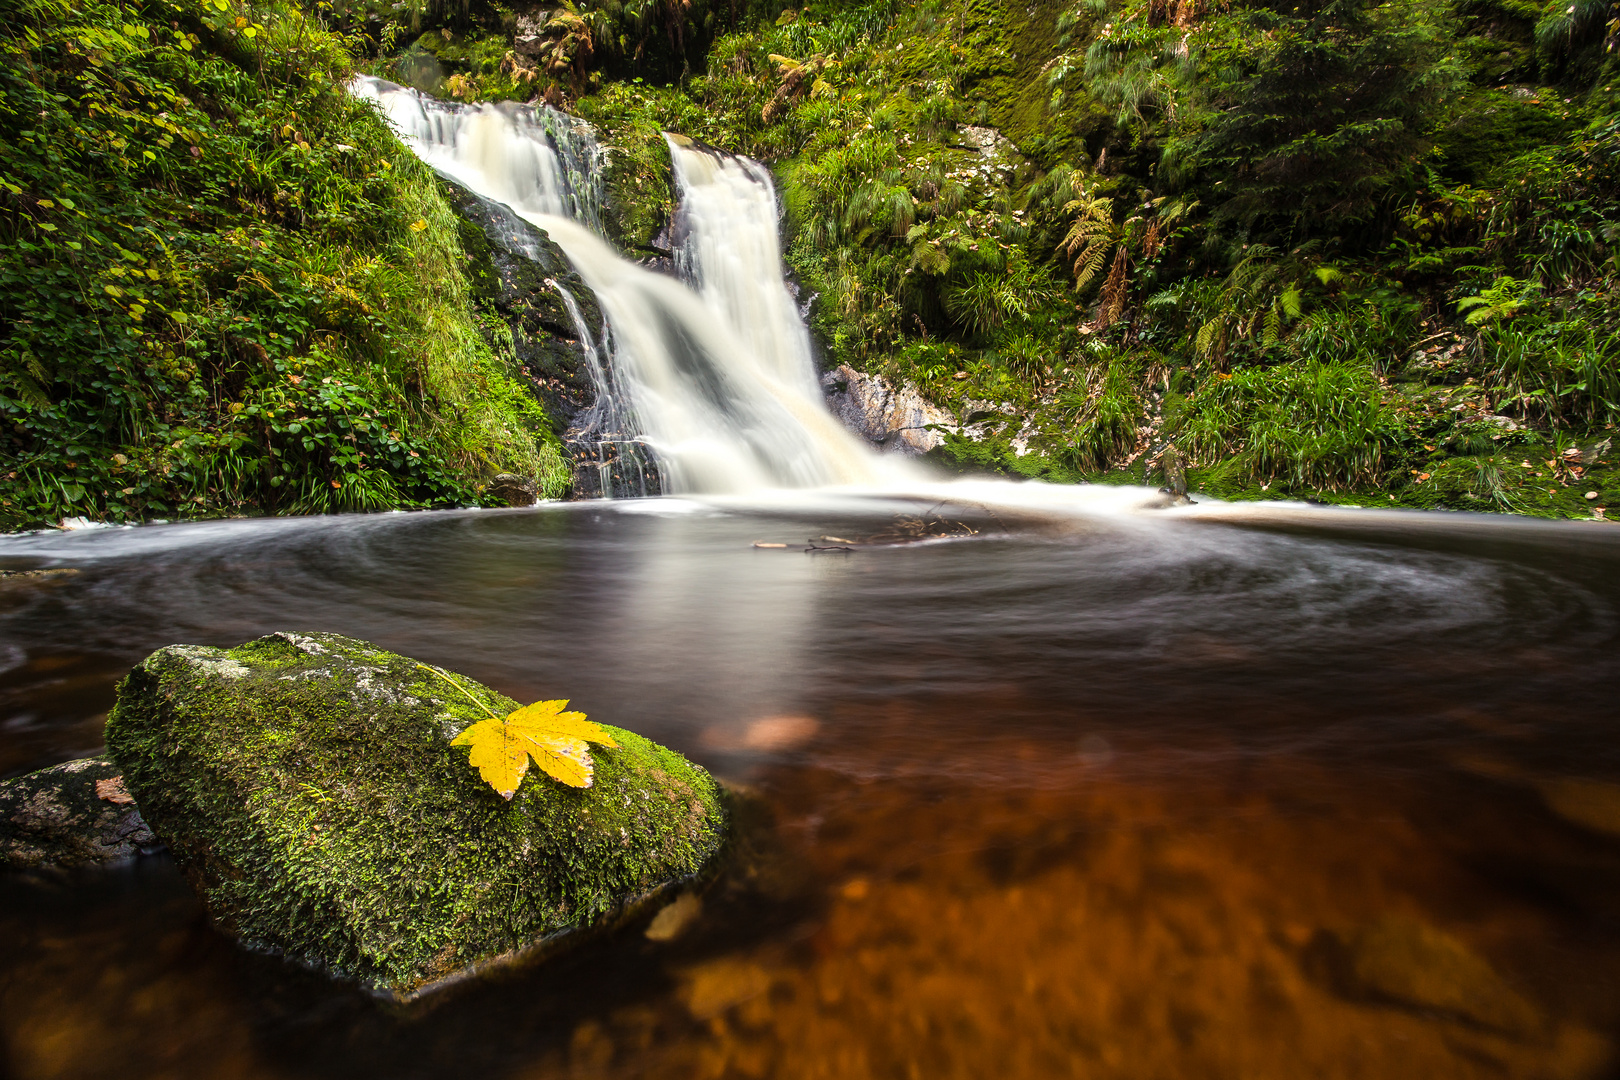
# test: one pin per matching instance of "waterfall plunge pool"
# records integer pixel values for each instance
(1115, 794)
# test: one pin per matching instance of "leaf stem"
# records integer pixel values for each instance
(446, 677)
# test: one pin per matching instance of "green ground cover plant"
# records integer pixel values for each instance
(224, 285)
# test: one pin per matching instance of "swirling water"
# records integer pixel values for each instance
(1266, 793)
(1079, 789)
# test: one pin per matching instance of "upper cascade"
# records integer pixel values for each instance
(717, 372)
(533, 158)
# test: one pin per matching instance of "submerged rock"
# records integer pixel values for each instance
(1404, 962)
(73, 814)
(307, 786)
(1592, 804)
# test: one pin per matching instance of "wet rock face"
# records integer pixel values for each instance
(529, 38)
(73, 814)
(895, 420)
(307, 786)
(511, 489)
(510, 265)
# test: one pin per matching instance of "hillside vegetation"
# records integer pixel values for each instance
(1351, 251)
(224, 285)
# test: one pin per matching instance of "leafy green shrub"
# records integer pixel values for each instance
(1302, 117)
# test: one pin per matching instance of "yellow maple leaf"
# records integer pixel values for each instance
(502, 746)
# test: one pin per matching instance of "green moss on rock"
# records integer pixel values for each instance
(307, 786)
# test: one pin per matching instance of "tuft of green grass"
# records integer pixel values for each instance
(1310, 426)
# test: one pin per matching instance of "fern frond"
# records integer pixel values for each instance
(1088, 263)
(29, 392)
(1292, 301)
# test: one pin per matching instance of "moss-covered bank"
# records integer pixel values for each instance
(307, 786)
(225, 288)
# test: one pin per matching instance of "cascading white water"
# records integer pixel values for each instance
(608, 424)
(729, 252)
(717, 415)
(721, 384)
(533, 159)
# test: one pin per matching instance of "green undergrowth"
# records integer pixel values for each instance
(1335, 251)
(1324, 250)
(225, 288)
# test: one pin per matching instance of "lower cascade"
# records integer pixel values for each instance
(712, 374)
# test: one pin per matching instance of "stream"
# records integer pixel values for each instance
(1225, 792)
(1031, 781)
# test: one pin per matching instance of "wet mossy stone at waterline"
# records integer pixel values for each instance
(74, 814)
(307, 786)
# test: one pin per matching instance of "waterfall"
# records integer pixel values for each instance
(715, 374)
(532, 158)
(727, 249)
(608, 428)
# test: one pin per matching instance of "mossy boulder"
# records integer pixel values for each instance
(307, 786)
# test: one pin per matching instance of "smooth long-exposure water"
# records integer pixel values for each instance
(1114, 795)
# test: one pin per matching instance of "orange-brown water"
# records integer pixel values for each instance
(1052, 808)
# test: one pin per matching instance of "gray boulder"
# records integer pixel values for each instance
(899, 421)
(74, 814)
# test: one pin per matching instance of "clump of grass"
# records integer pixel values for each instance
(1106, 412)
(1312, 425)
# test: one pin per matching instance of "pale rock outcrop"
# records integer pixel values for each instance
(896, 420)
